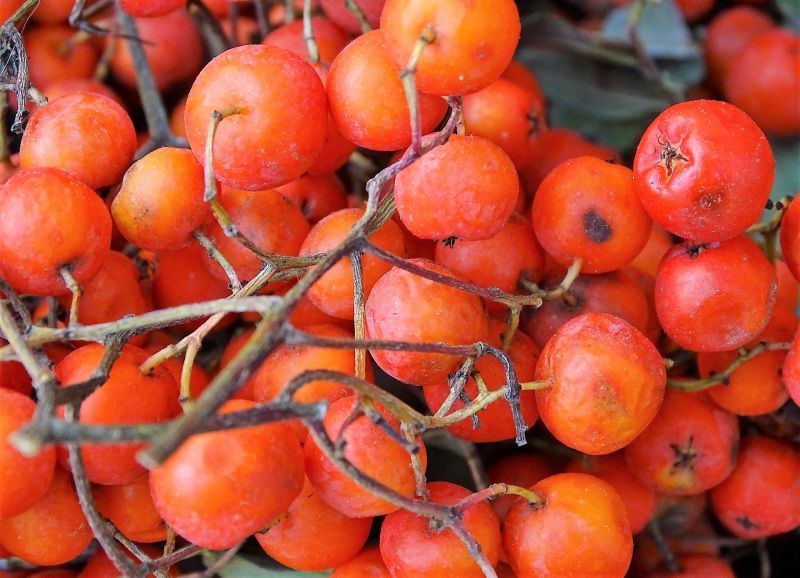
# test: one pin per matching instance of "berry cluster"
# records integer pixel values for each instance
(205, 339)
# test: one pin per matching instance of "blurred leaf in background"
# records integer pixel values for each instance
(242, 567)
(595, 82)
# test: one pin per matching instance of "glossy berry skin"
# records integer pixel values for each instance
(496, 423)
(790, 239)
(411, 549)
(149, 8)
(54, 56)
(699, 566)
(25, 480)
(314, 536)
(522, 470)
(478, 262)
(85, 134)
(366, 98)
(220, 487)
(607, 379)
(726, 36)
(333, 292)
(760, 498)
(182, 278)
(112, 293)
(716, 296)
(649, 258)
(13, 375)
(289, 361)
(615, 293)
(336, 149)
(405, 307)
(39, 206)
(465, 188)
(161, 201)
(771, 97)
(690, 174)
(131, 509)
(127, 397)
(555, 146)
(367, 563)
(791, 371)
(689, 448)
(694, 10)
(461, 59)
(508, 115)
(639, 499)
(52, 531)
(581, 529)
(587, 208)
(173, 49)
(274, 224)
(370, 449)
(317, 195)
(754, 388)
(278, 103)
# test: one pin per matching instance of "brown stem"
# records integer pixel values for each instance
(446, 516)
(76, 291)
(99, 526)
(210, 28)
(722, 377)
(208, 244)
(359, 312)
(670, 561)
(408, 76)
(19, 306)
(501, 489)
(308, 34)
(262, 17)
(153, 104)
(353, 7)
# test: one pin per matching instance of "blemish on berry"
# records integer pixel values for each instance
(596, 227)
(709, 200)
(695, 250)
(747, 523)
(685, 456)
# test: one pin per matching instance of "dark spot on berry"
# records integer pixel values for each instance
(685, 456)
(305, 208)
(695, 250)
(596, 227)
(747, 523)
(770, 205)
(733, 454)
(536, 124)
(726, 380)
(449, 242)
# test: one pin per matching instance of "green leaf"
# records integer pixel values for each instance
(662, 29)
(787, 168)
(790, 10)
(241, 567)
(592, 81)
